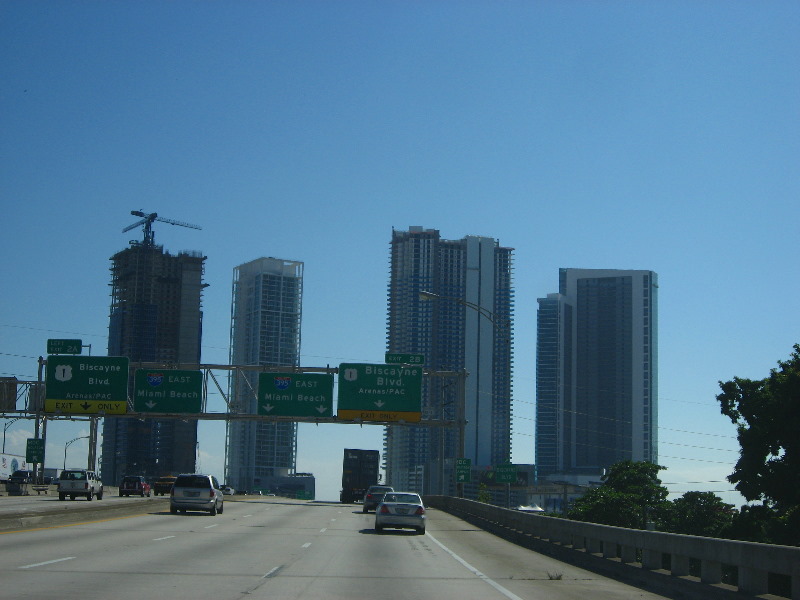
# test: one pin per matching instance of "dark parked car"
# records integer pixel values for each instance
(20, 477)
(374, 496)
(134, 484)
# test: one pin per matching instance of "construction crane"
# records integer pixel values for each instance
(147, 225)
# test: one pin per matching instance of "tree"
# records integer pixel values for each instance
(766, 413)
(700, 513)
(631, 496)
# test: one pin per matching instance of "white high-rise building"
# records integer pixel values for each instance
(266, 315)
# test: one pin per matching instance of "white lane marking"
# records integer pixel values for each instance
(210, 526)
(47, 562)
(246, 516)
(270, 573)
(163, 538)
(306, 545)
(491, 582)
(323, 530)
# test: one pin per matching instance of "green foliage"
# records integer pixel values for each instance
(767, 416)
(754, 523)
(484, 495)
(631, 496)
(699, 513)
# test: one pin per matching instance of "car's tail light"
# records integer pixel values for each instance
(420, 511)
(211, 493)
(384, 509)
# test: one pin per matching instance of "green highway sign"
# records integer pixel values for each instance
(34, 450)
(295, 394)
(380, 392)
(505, 473)
(86, 384)
(64, 346)
(167, 391)
(463, 470)
(394, 358)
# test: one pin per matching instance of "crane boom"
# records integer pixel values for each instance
(147, 225)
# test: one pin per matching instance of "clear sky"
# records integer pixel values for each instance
(615, 134)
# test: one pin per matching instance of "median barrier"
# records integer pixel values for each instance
(49, 514)
(653, 559)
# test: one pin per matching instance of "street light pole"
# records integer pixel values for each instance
(501, 326)
(67, 445)
(5, 428)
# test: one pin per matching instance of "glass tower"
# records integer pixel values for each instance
(466, 327)
(266, 314)
(596, 372)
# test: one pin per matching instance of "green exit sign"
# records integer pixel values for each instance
(34, 450)
(505, 473)
(64, 346)
(397, 358)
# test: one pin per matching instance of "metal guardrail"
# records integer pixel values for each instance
(649, 551)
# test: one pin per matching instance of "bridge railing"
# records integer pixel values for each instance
(651, 551)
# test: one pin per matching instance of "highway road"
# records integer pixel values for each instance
(272, 548)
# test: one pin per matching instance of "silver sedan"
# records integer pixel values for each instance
(401, 510)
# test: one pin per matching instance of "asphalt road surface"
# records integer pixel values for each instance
(271, 548)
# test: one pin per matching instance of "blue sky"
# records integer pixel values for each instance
(618, 134)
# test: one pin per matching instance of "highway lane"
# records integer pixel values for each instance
(278, 549)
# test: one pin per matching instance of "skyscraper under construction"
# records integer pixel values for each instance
(155, 317)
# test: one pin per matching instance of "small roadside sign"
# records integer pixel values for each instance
(64, 346)
(505, 473)
(463, 470)
(396, 358)
(34, 450)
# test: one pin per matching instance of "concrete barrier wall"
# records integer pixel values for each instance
(639, 549)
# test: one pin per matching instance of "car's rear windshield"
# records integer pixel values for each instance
(73, 475)
(131, 480)
(193, 481)
(407, 498)
(380, 490)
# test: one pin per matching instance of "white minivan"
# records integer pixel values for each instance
(196, 492)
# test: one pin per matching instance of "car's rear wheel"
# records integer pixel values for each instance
(213, 511)
(89, 496)
(173, 510)
(421, 530)
(221, 507)
(379, 528)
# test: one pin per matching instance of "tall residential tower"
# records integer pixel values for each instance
(266, 315)
(596, 372)
(464, 324)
